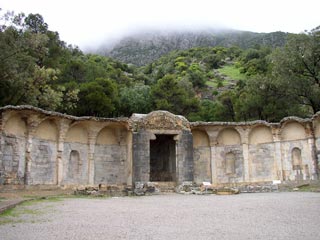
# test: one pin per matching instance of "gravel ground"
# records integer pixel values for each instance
(244, 216)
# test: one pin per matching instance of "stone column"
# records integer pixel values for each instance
(277, 153)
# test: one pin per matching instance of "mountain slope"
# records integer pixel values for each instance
(143, 48)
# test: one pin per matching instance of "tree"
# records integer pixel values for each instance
(266, 98)
(255, 61)
(136, 99)
(196, 75)
(23, 77)
(169, 95)
(98, 98)
(298, 65)
(36, 24)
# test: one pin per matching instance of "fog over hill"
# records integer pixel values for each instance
(146, 46)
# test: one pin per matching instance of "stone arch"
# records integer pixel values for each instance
(107, 136)
(15, 125)
(293, 131)
(77, 134)
(228, 136)
(230, 163)
(260, 134)
(200, 138)
(47, 130)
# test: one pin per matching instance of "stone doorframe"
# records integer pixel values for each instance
(141, 154)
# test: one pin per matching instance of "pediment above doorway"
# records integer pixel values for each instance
(159, 120)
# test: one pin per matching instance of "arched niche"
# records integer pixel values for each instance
(47, 130)
(229, 136)
(230, 159)
(15, 125)
(74, 165)
(7, 158)
(260, 134)
(200, 138)
(296, 158)
(293, 131)
(108, 136)
(77, 134)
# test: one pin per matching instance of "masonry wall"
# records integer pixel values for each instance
(43, 148)
(258, 152)
(12, 159)
(201, 157)
(43, 164)
(40, 148)
(110, 157)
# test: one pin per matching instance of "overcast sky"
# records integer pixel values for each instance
(89, 23)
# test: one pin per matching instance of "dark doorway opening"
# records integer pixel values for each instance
(163, 158)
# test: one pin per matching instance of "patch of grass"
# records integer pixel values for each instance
(232, 72)
(9, 213)
(16, 215)
(216, 83)
(103, 196)
(309, 188)
(42, 199)
(9, 221)
(12, 216)
(211, 84)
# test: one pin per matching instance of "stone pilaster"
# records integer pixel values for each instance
(277, 152)
(32, 123)
(92, 137)
(244, 134)
(213, 135)
(63, 129)
(313, 150)
(129, 162)
(184, 151)
(141, 156)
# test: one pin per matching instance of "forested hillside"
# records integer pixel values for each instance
(233, 82)
(144, 48)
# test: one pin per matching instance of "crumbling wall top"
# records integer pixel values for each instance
(26, 108)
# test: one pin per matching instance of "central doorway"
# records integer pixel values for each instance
(163, 158)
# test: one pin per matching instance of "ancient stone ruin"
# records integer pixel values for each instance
(42, 148)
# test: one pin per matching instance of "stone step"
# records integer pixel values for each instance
(166, 186)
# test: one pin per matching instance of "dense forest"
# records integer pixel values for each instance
(266, 80)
